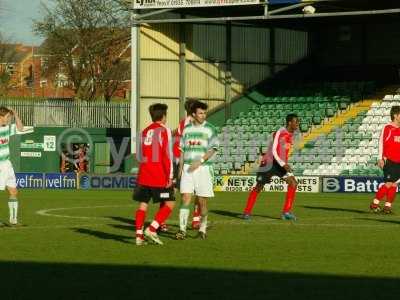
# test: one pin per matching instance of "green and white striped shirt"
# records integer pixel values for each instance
(5, 133)
(197, 140)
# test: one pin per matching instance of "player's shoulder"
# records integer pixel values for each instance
(390, 127)
(281, 131)
(210, 126)
(156, 126)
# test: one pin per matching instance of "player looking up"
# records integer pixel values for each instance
(7, 175)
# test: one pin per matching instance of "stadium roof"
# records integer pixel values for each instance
(289, 11)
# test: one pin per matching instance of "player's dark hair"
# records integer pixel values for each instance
(4, 111)
(290, 117)
(158, 111)
(188, 104)
(198, 104)
(395, 110)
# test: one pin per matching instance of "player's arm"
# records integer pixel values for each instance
(166, 158)
(213, 148)
(278, 140)
(382, 138)
(18, 122)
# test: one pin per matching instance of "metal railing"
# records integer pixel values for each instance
(67, 113)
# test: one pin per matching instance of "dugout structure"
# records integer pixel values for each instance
(219, 51)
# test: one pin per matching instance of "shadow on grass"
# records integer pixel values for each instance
(106, 236)
(397, 222)
(336, 209)
(122, 220)
(90, 281)
(238, 215)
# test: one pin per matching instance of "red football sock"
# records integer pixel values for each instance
(196, 213)
(162, 204)
(251, 200)
(391, 194)
(381, 193)
(291, 193)
(139, 221)
(160, 218)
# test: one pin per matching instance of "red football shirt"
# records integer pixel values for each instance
(389, 143)
(280, 147)
(178, 135)
(155, 169)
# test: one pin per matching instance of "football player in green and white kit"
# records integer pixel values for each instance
(199, 143)
(7, 175)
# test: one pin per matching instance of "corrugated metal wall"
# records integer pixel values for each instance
(206, 62)
(290, 45)
(172, 114)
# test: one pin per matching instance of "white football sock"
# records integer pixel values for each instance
(183, 218)
(203, 224)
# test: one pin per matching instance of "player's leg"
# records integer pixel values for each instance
(262, 178)
(165, 195)
(11, 183)
(204, 189)
(392, 171)
(380, 194)
(163, 226)
(390, 196)
(204, 217)
(186, 189)
(196, 214)
(13, 205)
(290, 197)
(142, 195)
(184, 213)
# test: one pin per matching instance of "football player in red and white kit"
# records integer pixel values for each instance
(177, 151)
(154, 180)
(275, 163)
(389, 161)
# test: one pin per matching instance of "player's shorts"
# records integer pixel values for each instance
(175, 175)
(391, 171)
(7, 175)
(265, 173)
(147, 193)
(199, 182)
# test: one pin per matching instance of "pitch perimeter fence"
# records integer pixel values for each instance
(67, 113)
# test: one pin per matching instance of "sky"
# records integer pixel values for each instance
(16, 20)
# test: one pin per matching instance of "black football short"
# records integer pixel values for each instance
(391, 171)
(146, 193)
(266, 172)
(176, 174)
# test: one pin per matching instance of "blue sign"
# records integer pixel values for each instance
(60, 181)
(29, 180)
(351, 184)
(118, 181)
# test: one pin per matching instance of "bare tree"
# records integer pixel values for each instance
(83, 40)
(8, 56)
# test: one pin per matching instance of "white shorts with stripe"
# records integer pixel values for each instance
(198, 182)
(7, 175)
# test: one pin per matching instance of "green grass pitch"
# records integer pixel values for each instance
(80, 245)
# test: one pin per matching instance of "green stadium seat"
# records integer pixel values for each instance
(304, 127)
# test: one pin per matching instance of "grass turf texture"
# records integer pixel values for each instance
(337, 250)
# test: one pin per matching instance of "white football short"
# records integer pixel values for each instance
(7, 175)
(198, 182)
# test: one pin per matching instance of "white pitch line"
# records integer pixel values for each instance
(45, 212)
(213, 223)
(257, 222)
